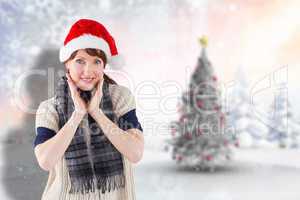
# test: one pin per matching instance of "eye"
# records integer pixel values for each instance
(98, 62)
(79, 61)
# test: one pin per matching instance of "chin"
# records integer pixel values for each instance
(86, 88)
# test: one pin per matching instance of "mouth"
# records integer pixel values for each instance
(87, 80)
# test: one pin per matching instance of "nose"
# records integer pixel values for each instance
(87, 69)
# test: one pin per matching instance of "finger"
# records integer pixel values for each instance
(71, 84)
(69, 79)
(99, 86)
(71, 88)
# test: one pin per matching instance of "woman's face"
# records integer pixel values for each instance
(85, 70)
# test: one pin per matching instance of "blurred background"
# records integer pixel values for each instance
(253, 47)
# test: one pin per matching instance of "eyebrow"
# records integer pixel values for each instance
(79, 57)
(84, 58)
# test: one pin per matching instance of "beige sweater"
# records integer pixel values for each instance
(58, 180)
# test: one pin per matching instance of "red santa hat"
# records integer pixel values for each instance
(87, 33)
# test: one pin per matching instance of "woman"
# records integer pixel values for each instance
(88, 134)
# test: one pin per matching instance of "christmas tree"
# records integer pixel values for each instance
(249, 129)
(199, 137)
(284, 130)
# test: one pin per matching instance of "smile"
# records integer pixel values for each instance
(87, 80)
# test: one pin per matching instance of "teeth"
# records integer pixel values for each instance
(87, 79)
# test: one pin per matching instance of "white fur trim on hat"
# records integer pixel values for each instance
(82, 42)
(116, 61)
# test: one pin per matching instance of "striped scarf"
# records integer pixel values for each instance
(92, 160)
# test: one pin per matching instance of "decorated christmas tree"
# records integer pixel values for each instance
(200, 139)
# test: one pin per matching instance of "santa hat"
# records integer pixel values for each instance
(87, 33)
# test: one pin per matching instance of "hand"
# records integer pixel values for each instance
(80, 105)
(93, 106)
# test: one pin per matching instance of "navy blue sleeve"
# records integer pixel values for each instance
(129, 120)
(43, 134)
(126, 121)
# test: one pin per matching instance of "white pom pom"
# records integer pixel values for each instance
(116, 62)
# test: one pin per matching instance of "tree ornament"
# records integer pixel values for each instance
(214, 78)
(200, 104)
(208, 157)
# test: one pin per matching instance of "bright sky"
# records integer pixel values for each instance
(261, 36)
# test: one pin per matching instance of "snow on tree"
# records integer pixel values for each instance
(283, 129)
(249, 129)
(199, 138)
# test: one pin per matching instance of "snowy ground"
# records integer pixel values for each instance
(259, 174)
(254, 174)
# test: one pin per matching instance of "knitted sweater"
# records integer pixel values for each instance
(58, 183)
